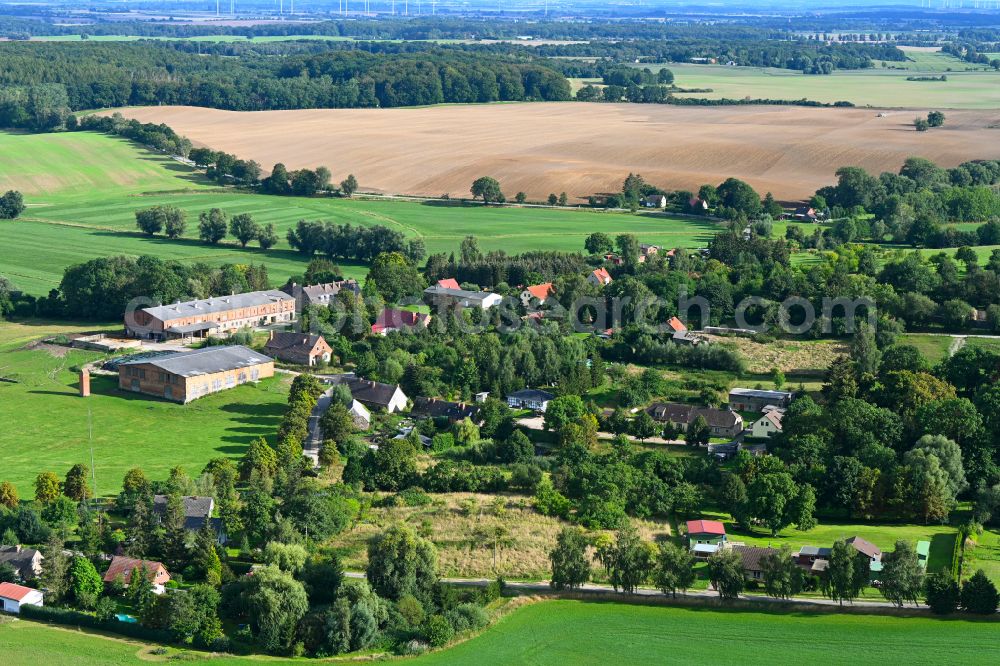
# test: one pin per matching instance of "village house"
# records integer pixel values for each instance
(26, 562)
(435, 408)
(13, 596)
(184, 376)
(705, 536)
(814, 559)
(197, 510)
(360, 416)
(599, 277)
(123, 567)
(448, 297)
(646, 250)
(187, 375)
(805, 214)
(391, 319)
(373, 395)
(767, 425)
(449, 283)
(211, 316)
(533, 399)
(654, 201)
(755, 400)
(721, 422)
(540, 293)
(753, 560)
(299, 348)
(697, 204)
(319, 294)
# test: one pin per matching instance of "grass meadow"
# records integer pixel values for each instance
(82, 190)
(982, 551)
(47, 426)
(600, 633)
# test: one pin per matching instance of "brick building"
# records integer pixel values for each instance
(186, 376)
(216, 315)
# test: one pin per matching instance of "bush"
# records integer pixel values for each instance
(494, 590)
(413, 497)
(465, 617)
(76, 619)
(438, 631)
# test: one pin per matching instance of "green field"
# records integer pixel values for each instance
(875, 87)
(985, 555)
(575, 632)
(933, 347)
(82, 190)
(46, 425)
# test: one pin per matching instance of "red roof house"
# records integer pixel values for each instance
(600, 276)
(124, 566)
(449, 283)
(676, 325)
(539, 292)
(713, 527)
(13, 596)
(391, 319)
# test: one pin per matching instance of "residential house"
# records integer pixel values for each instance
(26, 562)
(654, 201)
(448, 297)
(197, 510)
(697, 204)
(539, 293)
(360, 415)
(124, 567)
(13, 596)
(298, 348)
(533, 399)
(722, 422)
(753, 560)
(711, 533)
(755, 400)
(646, 250)
(805, 213)
(211, 316)
(371, 394)
(599, 277)
(391, 319)
(319, 294)
(184, 376)
(435, 408)
(814, 559)
(767, 425)
(449, 283)
(869, 550)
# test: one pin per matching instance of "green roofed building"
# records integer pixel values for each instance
(923, 552)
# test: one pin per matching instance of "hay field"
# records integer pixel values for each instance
(582, 148)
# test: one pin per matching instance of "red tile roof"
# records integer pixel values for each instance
(14, 592)
(676, 325)
(449, 283)
(541, 291)
(602, 275)
(705, 527)
(123, 566)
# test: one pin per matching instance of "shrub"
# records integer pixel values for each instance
(438, 631)
(467, 616)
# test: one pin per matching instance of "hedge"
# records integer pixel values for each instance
(77, 619)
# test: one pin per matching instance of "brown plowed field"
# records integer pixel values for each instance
(583, 148)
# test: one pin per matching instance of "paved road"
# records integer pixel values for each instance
(544, 587)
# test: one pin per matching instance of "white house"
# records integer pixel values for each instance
(529, 399)
(13, 596)
(767, 425)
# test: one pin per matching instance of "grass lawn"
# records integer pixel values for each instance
(575, 632)
(942, 537)
(874, 87)
(82, 191)
(578, 632)
(933, 347)
(45, 423)
(985, 555)
(991, 344)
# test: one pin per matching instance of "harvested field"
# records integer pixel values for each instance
(582, 148)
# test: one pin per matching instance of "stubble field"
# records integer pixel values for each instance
(581, 148)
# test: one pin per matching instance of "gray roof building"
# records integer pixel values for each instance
(27, 562)
(209, 360)
(216, 304)
(462, 297)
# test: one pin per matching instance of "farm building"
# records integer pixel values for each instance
(722, 422)
(26, 562)
(13, 596)
(755, 400)
(211, 316)
(705, 533)
(319, 294)
(186, 376)
(448, 297)
(530, 399)
(373, 395)
(298, 348)
(124, 567)
(391, 319)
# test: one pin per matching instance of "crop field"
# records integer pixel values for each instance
(82, 190)
(583, 148)
(883, 88)
(602, 632)
(47, 426)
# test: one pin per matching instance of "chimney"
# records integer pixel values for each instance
(271, 336)
(84, 383)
